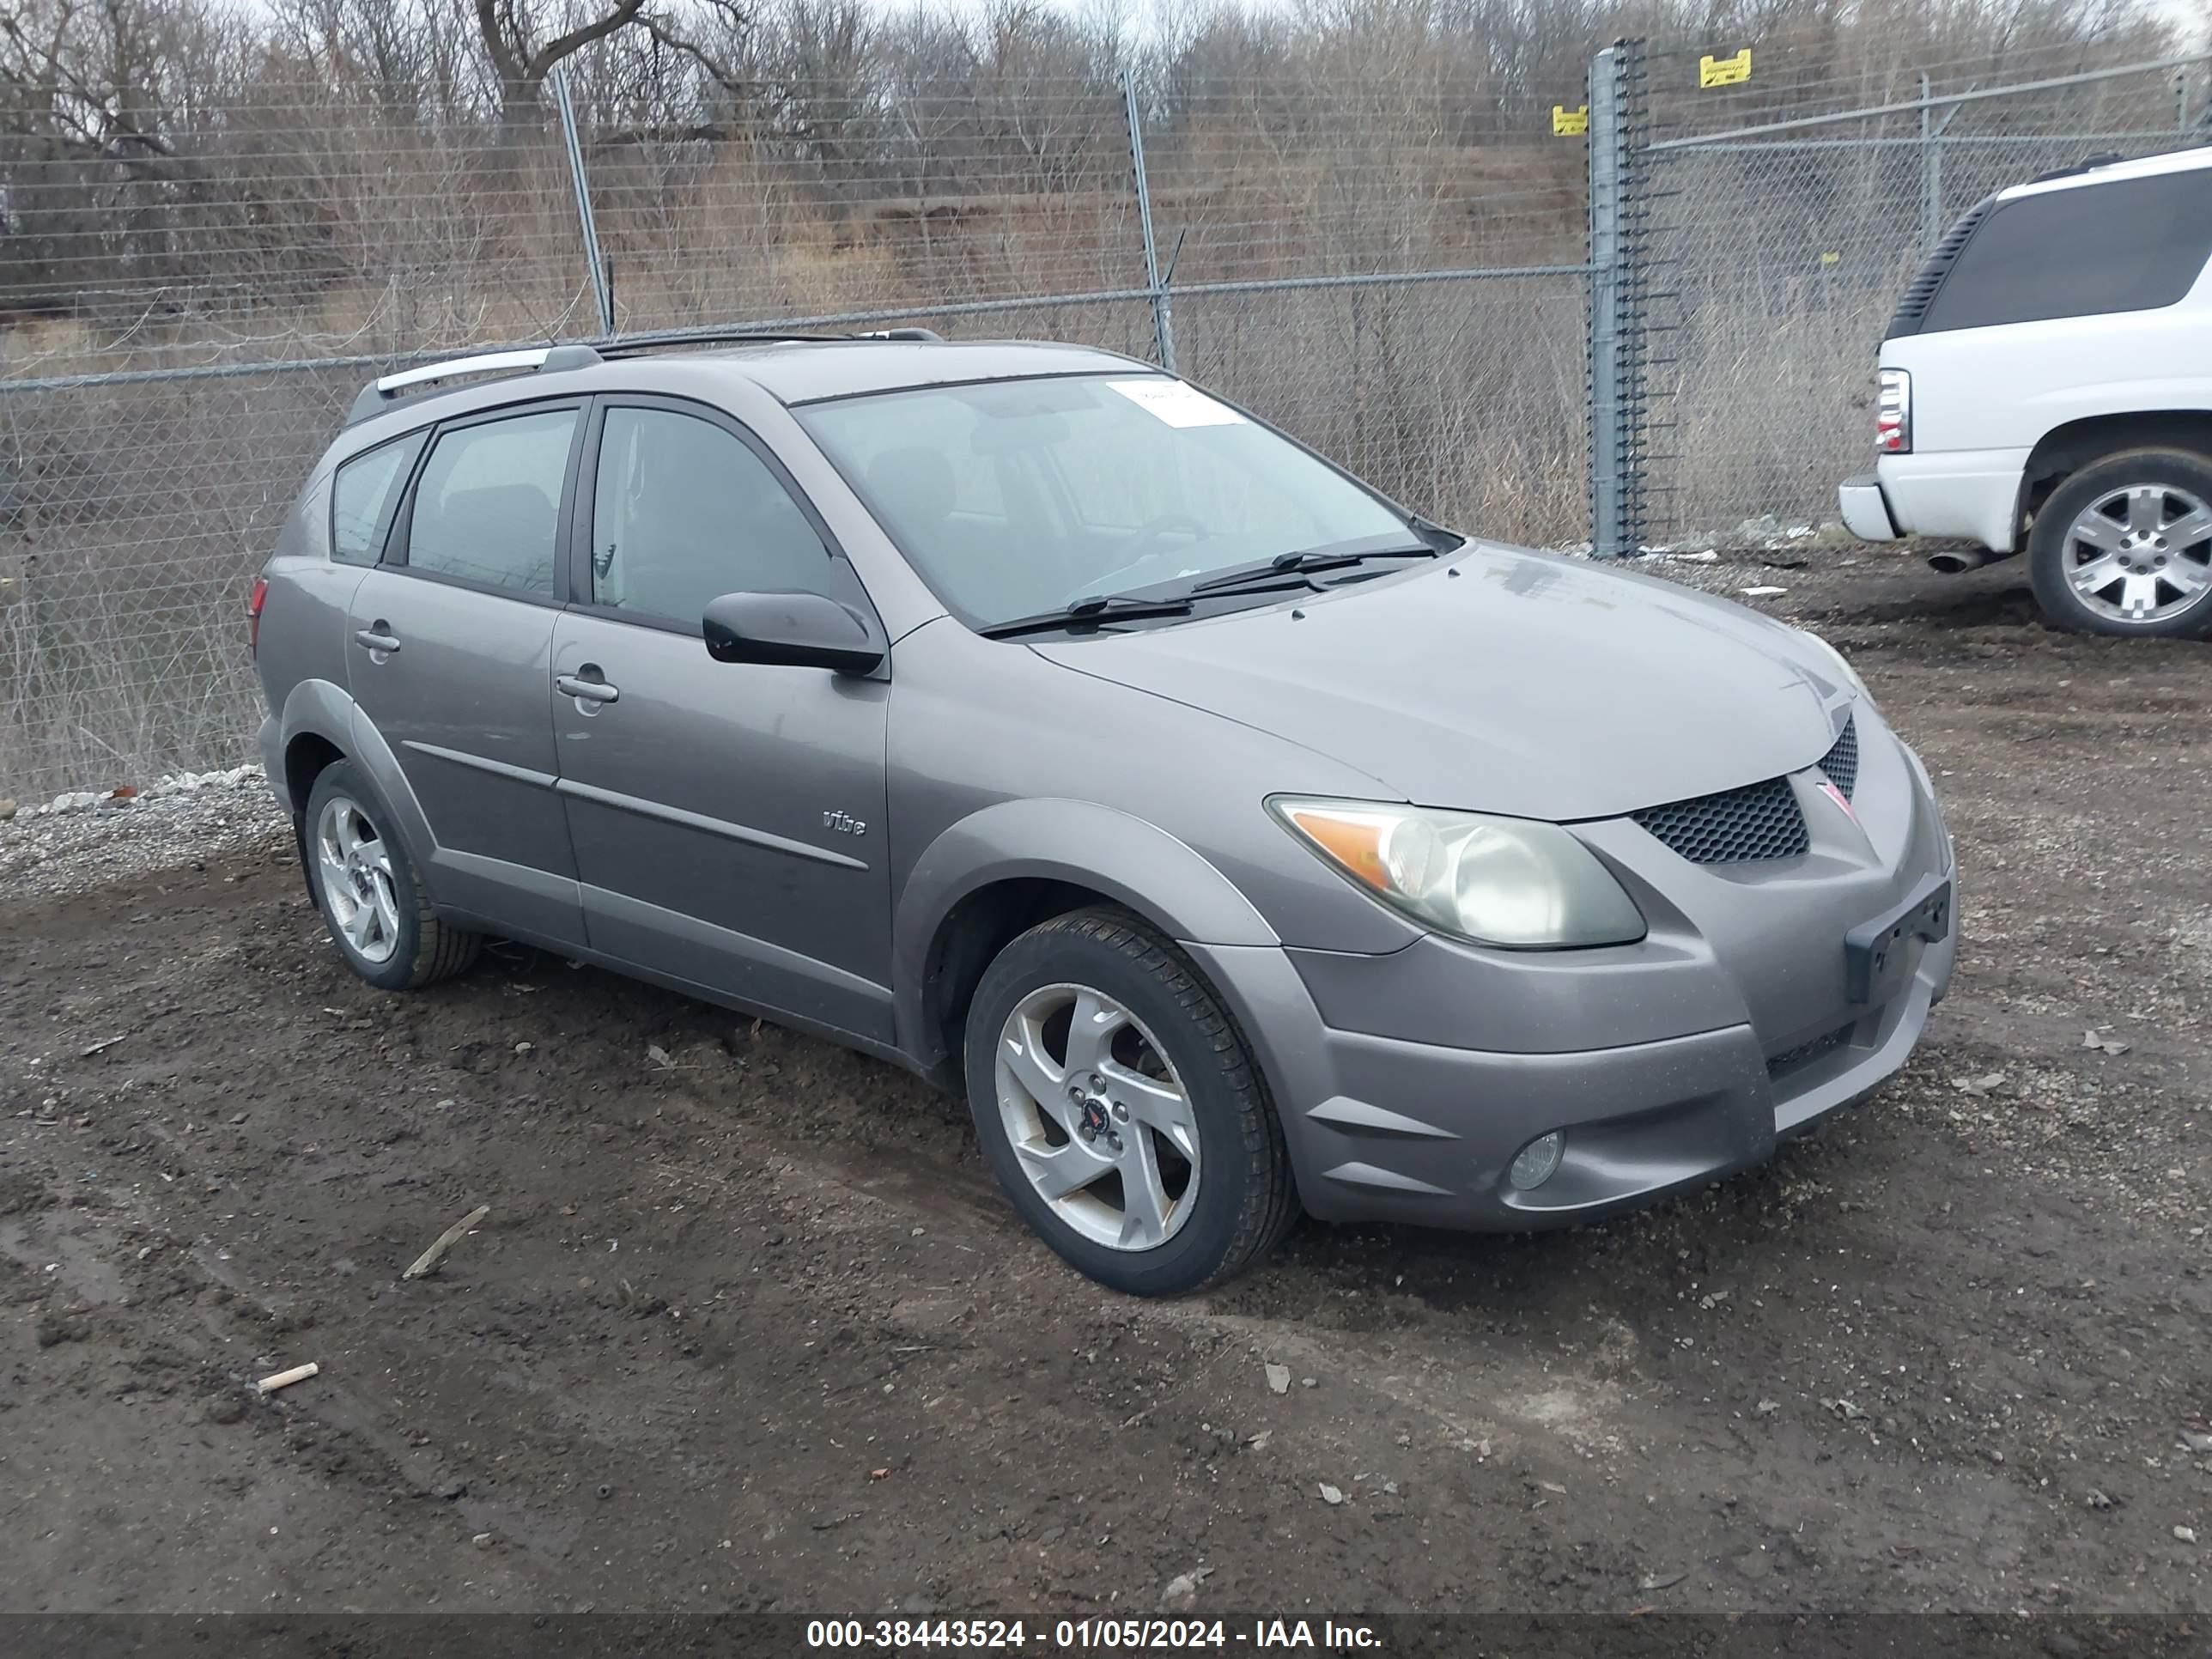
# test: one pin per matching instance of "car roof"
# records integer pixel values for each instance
(2148, 166)
(792, 370)
(805, 371)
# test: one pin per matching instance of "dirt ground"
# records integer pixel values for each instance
(748, 1327)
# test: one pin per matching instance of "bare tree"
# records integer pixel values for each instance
(523, 55)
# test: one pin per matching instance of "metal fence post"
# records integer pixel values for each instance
(1616, 346)
(602, 291)
(1162, 309)
(1931, 174)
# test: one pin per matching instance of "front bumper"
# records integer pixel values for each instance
(1388, 1130)
(1407, 1083)
(1866, 514)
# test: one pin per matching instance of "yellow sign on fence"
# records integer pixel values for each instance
(1725, 71)
(1566, 123)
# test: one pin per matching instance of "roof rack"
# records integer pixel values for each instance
(2087, 164)
(550, 359)
(536, 360)
(706, 336)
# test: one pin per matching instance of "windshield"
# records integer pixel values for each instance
(1015, 497)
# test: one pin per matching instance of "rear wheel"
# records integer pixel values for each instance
(2125, 547)
(365, 885)
(1120, 1108)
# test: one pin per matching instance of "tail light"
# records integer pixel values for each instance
(259, 598)
(1893, 420)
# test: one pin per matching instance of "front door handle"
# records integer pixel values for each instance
(378, 637)
(586, 690)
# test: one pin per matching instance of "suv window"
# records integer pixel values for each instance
(683, 511)
(2129, 245)
(489, 505)
(362, 495)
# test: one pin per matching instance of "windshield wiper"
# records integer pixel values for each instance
(1304, 562)
(1102, 608)
(1284, 573)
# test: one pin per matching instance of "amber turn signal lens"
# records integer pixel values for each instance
(1354, 842)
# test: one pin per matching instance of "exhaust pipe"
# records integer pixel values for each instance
(1953, 562)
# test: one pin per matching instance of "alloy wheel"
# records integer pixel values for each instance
(356, 872)
(2141, 553)
(1099, 1119)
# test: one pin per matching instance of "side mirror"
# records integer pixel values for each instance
(797, 630)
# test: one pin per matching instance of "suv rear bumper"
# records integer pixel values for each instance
(1969, 495)
(1865, 509)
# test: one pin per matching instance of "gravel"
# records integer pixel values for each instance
(80, 840)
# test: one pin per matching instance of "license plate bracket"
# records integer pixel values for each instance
(1874, 952)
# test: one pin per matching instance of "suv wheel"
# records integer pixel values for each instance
(2124, 546)
(1120, 1108)
(365, 887)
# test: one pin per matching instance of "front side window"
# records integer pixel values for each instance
(361, 494)
(487, 509)
(1017, 497)
(684, 512)
(2084, 250)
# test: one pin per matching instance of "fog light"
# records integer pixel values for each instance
(1538, 1162)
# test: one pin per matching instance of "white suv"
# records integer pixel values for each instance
(2047, 381)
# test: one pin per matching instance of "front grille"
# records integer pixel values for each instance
(1758, 821)
(1841, 763)
(1797, 1058)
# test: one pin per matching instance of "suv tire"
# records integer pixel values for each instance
(365, 885)
(2137, 494)
(1164, 1099)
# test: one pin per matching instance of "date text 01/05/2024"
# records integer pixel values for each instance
(894, 1635)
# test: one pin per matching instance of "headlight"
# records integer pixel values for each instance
(1508, 881)
(1850, 674)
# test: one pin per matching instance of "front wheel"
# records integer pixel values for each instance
(1120, 1110)
(2125, 547)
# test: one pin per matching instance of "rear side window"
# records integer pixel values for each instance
(361, 500)
(488, 506)
(2131, 244)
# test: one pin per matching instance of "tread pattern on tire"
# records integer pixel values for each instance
(446, 949)
(1270, 1199)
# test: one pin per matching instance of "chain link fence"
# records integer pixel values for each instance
(188, 304)
(189, 318)
(1772, 254)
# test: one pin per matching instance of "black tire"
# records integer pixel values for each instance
(426, 949)
(1245, 1199)
(2052, 553)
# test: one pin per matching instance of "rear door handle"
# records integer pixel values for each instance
(377, 636)
(591, 690)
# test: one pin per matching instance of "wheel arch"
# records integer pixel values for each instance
(2067, 448)
(1001, 870)
(321, 724)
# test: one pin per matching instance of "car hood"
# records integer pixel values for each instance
(1504, 681)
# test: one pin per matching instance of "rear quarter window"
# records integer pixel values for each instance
(2088, 251)
(362, 498)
